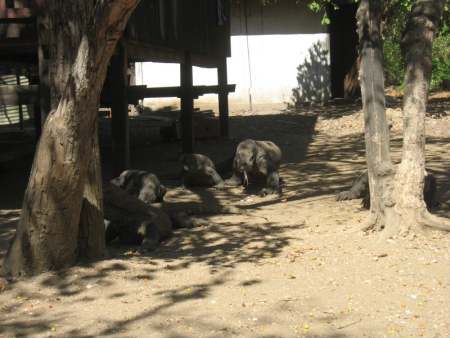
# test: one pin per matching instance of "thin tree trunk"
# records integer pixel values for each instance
(372, 89)
(48, 232)
(409, 209)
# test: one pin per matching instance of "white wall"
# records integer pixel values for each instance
(264, 63)
(273, 65)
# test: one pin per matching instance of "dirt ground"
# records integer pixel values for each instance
(296, 266)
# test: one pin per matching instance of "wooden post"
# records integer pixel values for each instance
(20, 103)
(187, 104)
(223, 97)
(119, 110)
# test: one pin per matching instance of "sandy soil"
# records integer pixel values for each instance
(296, 266)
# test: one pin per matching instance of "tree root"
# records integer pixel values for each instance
(373, 224)
(405, 224)
(435, 222)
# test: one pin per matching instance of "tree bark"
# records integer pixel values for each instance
(61, 44)
(409, 210)
(47, 236)
(352, 86)
(397, 193)
(91, 240)
(379, 163)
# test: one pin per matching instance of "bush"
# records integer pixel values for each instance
(394, 63)
(394, 66)
(441, 59)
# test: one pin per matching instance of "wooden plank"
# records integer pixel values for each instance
(119, 110)
(136, 93)
(146, 52)
(187, 104)
(152, 52)
(16, 95)
(223, 97)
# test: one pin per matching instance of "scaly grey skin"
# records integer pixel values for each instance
(129, 231)
(255, 158)
(142, 184)
(360, 189)
(133, 232)
(199, 171)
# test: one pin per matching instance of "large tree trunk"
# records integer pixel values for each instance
(92, 228)
(48, 233)
(372, 89)
(397, 203)
(409, 210)
(61, 44)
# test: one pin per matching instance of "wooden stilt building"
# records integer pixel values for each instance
(189, 32)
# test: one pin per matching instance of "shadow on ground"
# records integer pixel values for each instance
(315, 166)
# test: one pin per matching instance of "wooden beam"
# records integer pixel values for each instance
(140, 51)
(119, 110)
(136, 93)
(223, 97)
(187, 104)
(16, 95)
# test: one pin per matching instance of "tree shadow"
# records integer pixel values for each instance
(311, 170)
(313, 77)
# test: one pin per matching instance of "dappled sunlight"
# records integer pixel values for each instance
(228, 243)
(290, 261)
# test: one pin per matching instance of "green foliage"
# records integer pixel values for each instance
(393, 62)
(395, 18)
(441, 58)
(314, 6)
(396, 14)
